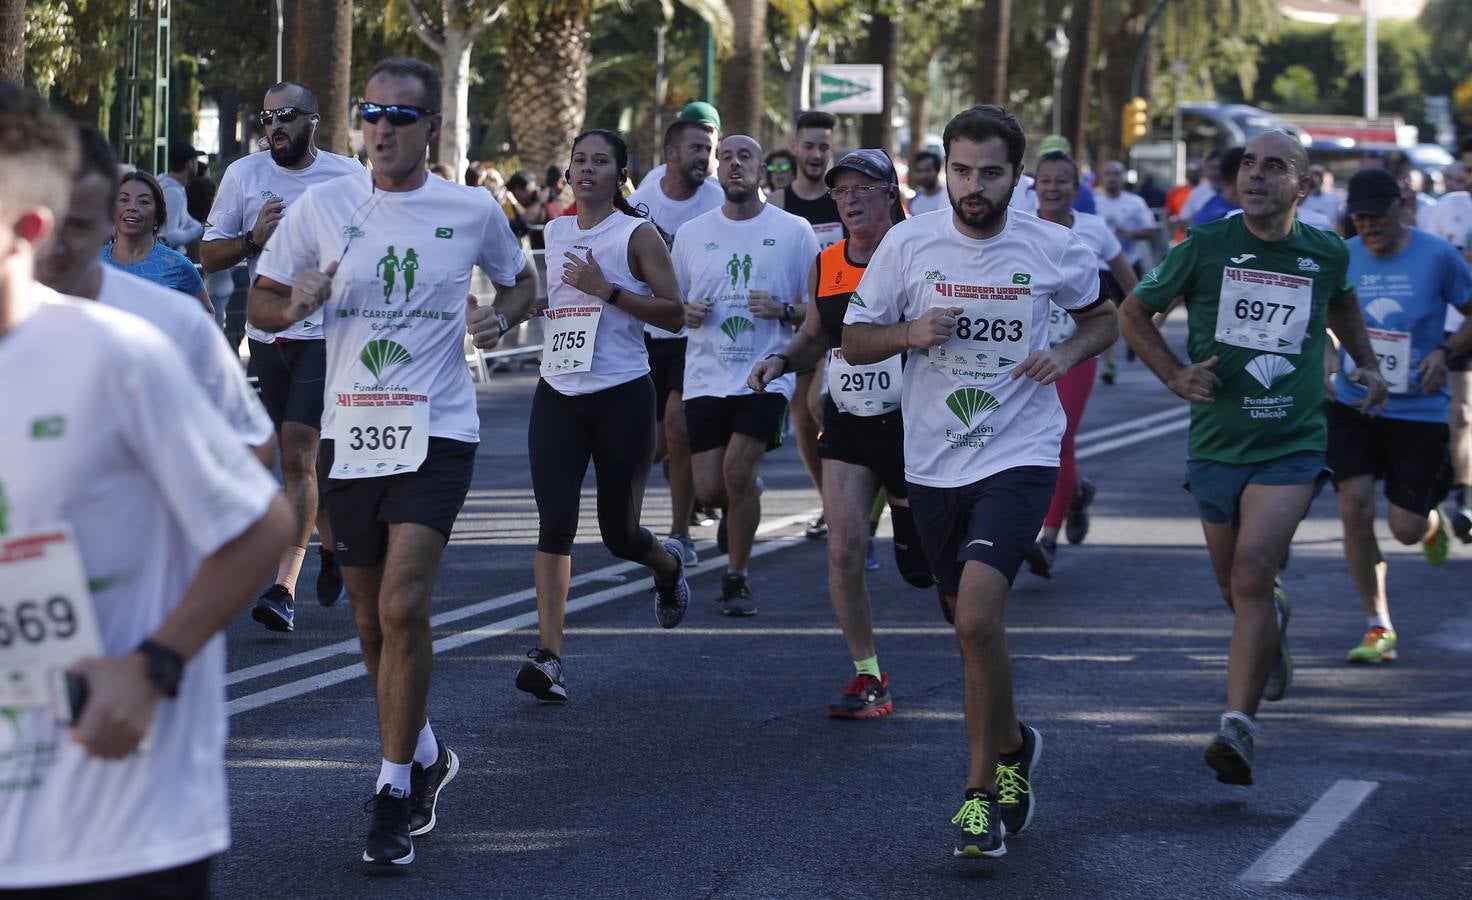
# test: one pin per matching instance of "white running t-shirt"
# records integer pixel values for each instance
(961, 426)
(618, 355)
(724, 260)
(670, 215)
(395, 322)
(115, 439)
(1127, 212)
(183, 321)
(245, 187)
(1451, 220)
(1095, 232)
(923, 203)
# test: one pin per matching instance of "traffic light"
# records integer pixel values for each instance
(1136, 121)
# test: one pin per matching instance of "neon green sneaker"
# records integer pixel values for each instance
(1439, 544)
(1377, 647)
(981, 833)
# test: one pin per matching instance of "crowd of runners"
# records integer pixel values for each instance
(932, 353)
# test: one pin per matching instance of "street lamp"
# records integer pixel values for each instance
(1058, 49)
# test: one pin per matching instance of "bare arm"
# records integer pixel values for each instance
(1120, 268)
(868, 343)
(273, 306)
(513, 301)
(803, 351)
(221, 254)
(1194, 382)
(1098, 327)
(204, 299)
(1348, 325)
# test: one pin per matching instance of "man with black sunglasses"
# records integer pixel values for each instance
(400, 428)
(252, 198)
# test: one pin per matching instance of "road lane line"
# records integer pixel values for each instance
(1136, 438)
(1132, 425)
(1280, 861)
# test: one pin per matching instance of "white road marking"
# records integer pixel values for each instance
(1136, 438)
(1280, 861)
(1097, 434)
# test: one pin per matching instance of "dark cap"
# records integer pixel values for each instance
(1372, 192)
(874, 163)
(700, 111)
(181, 153)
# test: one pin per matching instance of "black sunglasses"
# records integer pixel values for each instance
(398, 114)
(285, 115)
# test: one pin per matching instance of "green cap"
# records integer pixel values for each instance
(700, 111)
(1054, 142)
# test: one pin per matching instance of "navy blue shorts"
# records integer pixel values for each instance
(993, 521)
(1218, 486)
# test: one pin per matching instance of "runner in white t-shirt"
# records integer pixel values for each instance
(146, 548)
(387, 260)
(70, 265)
(1057, 182)
(595, 400)
(254, 194)
(685, 191)
(966, 297)
(742, 269)
(930, 195)
(1451, 220)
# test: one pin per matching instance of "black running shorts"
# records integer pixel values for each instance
(1413, 458)
(292, 377)
(875, 442)
(712, 420)
(993, 521)
(667, 369)
(361, 509)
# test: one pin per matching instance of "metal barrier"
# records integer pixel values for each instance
(521, 345)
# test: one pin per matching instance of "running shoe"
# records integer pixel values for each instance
(425, 785)
(389, 843)
(1076, 528)
(865, 697)
(1461, 519)
(1439, 544)
(1040, 557)
(1377, 647)
(687, 550)
(1280, 678)
(816, 529)
(736, 597)
(330, 586)
(1230, 753)
(1014, 782)
(981, 833)
(702, 516)
(1106, 374)
(275, 609)
(541, 676)
(723, 536)
(672, 599)
(871, 558)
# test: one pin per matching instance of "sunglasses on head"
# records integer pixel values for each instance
(783, 166)
(398, 114)
(285, 115)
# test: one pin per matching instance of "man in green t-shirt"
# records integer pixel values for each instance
(1259, 288)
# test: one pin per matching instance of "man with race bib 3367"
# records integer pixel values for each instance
(400, 427)
(966, 297)
(1260, 289)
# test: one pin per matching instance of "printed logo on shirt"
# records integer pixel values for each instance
(769, 242)
(970, 404)
(352, 231)
(444, 232)
(269, 194)
(739, 268)
(712, 245)
(935, 275)
(1239, 260)
(1022, 278)
(381, 355)
(47, 427)
(1307, 265)
(735, 326)
(21, 764)
(1268, 369)
(1382, 308)
(855, 300)
(390, 266)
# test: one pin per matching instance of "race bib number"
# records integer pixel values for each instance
(1393, 349)
(379, 433)
(828, 234)
(991, 337)
(1060, 325)
(47, 621)
(1264, 310)
(864, 390)
(568, 339)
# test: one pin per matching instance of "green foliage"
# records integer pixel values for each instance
(1298, 89)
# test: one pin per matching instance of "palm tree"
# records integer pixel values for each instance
(12, 39)
(742, 71)
(993, 35)
(327, 67)
(451, 34)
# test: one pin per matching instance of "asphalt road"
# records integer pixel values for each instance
(699, 763)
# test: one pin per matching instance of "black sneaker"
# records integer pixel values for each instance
(389, 843)
(1076, 527)
(425, 786)
(330, 587)
(275, 609)
(702, 516)
(816, 529)
(1040, 557)
(672, 599)
(542, 676)
(1230, 753)
(865, 697)
(982, 834)
(736, 596)
(1014, 781)
(1461, 521)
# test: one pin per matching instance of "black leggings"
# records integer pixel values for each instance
(613, 427)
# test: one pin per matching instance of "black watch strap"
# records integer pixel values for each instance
(252, 249)
(165, 667)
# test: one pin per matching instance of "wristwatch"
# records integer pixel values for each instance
(252, 249)
(788, 312)
(505, 325)
(165, 667)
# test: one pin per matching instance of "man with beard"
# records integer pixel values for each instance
(682, 193)
(966, 297)
(925, 179)
(253, 196)
(742, 268)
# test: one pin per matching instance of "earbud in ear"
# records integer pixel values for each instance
(567, 174)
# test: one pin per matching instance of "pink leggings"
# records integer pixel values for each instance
(1073, 393)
